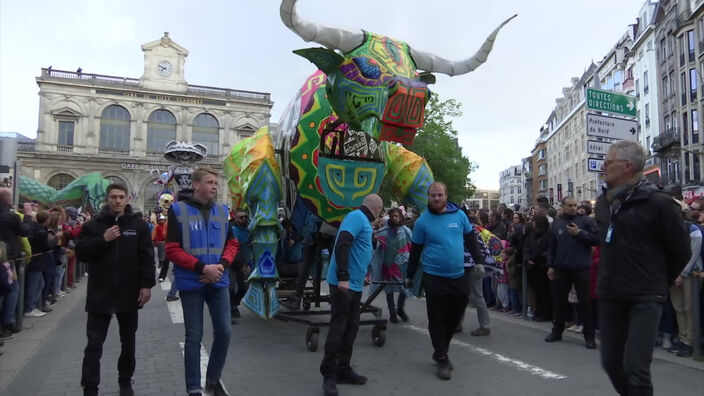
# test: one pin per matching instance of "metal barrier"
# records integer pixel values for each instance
(696, 317)
(19, 312)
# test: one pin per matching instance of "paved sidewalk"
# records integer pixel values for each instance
(52, 364)
(22, 347)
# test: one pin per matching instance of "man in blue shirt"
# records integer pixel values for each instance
(348, 266)
(440, 235)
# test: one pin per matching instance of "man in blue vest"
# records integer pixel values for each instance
(200, 242)
(348, 266)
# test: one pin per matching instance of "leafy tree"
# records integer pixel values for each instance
(437, 143)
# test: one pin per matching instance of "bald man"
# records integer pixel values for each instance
(351, 257)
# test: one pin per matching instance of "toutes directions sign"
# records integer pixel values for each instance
(611, 102)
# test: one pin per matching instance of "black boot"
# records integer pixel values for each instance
(399, 310)
(392, 308)
(293, 303)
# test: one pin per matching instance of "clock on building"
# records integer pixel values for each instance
(164, 68)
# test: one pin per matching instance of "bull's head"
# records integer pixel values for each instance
(376, 84)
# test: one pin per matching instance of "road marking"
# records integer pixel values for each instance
(203, 362)
(523, 366)
(175, 309)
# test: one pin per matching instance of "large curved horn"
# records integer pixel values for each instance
(433, 63)
(332, 38)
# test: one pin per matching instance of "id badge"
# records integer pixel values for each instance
(608, 234)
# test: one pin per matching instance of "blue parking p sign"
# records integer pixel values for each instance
(594, 164)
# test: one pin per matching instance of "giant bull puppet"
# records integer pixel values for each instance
(335, 142)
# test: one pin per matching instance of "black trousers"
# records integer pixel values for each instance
(165, 264)
(344, 323)
(562, 285)
(540, 284)
(628, 330)
(97, 329)
(444, 314)
(238, 285)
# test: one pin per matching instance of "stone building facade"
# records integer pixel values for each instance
(680, 144)
(511, 185)
(119, 126)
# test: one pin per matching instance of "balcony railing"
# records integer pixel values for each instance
(212, 91)
(103, 80)
(155, 154)
(26, 146)
(64, 148)
(666, 139)
(114, 151)
(94, 79)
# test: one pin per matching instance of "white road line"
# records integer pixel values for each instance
(523, 366)
(175, 309)
(203, 362)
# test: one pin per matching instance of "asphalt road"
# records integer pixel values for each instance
(270, 358)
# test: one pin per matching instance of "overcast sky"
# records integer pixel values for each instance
(244, 45)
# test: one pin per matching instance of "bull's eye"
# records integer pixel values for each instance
(367, 67)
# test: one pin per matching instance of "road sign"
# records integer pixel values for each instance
(597, 147)
(611, 102)
(594, 164)
(611, 127)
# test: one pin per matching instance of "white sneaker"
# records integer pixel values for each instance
(34, 314)
(666, 343)
(572, 328)
(578, 329)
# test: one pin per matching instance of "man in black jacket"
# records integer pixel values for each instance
(572, 236)
(117, 245)
(644, 246)
(12, 227)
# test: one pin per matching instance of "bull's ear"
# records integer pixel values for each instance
(326, 60)
(427, 77)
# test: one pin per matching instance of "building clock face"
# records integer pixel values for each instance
(164, 68)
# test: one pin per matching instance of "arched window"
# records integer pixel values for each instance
(115, 131)
(205, 132)
(59, 181)
(151, 200)
(161, 129)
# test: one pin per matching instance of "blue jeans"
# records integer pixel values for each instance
(9, 304)
(172, 292)
(33, 290)
(218, 300)
(489, 295)
(60, 271)
(514, 295)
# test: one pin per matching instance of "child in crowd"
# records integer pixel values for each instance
(515, 277)
(502, 288)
